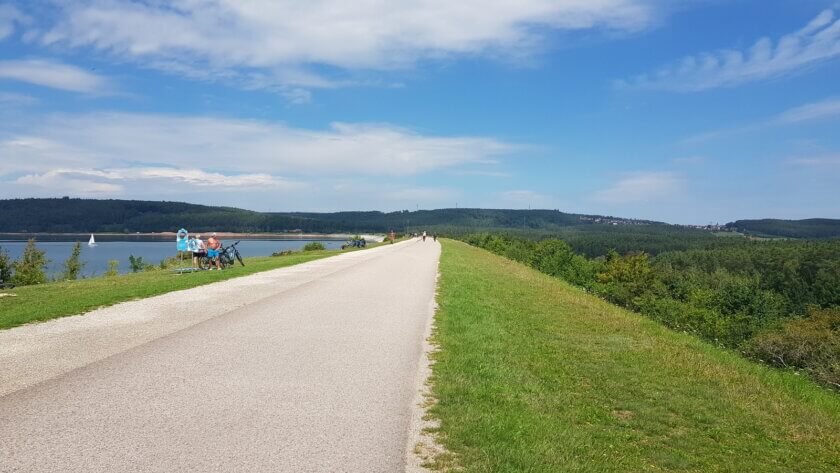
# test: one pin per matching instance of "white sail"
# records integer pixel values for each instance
(91, 242)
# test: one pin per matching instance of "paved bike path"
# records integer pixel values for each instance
(317, 377)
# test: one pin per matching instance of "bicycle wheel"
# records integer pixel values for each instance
(203, 262)
(239, 258)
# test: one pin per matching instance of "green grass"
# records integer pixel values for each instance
(59, 299)
(536, 375)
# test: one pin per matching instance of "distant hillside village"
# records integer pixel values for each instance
(614, 220)
(710, 227)
(632, 221)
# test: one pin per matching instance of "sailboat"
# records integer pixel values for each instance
(91, 242)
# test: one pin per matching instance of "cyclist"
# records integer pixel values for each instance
(213, 247)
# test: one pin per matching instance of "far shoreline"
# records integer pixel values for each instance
(172, 235)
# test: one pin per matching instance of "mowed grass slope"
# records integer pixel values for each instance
(536, 375)
(59, 299)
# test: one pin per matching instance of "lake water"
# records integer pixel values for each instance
(96, 258)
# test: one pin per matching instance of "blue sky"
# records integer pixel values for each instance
(709, 111)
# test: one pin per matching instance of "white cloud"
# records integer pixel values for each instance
(10, 15)
(817, 42)
(297, 95)
(821, 161)
(826, 109)
(82, 183)
(116, 181)
(8, 98)
(120, 140)
(54, 75)
(198, 177)
(286, 39)
(256, 164)
(641, 187)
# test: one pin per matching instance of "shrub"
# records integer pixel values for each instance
(827, 284)
(677, 315)
(5, 266)
(810, 344)
(137, 264)
(29, 269)
(74, 265)
(113, 268)
(314, 246)
(555, 257)
(626, 278)
(166, 263)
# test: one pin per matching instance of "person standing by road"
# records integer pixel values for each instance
(198, 248)
(424, 235)
(213, 246)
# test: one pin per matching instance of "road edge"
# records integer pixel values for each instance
(422, 447)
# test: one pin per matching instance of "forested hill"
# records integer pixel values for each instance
(809, 228)
(87, 215)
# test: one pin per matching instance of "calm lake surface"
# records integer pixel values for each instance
(96, 258)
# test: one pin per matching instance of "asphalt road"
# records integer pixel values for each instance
(315, 371)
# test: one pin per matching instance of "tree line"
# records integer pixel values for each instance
(808, 228)
(67, 215)
(774, 301)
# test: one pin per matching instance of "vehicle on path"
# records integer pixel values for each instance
(354, 242)
(228, 256)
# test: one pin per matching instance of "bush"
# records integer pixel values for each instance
(137, 264)
(555, 257)
(314, 246)
(166, 263)
(74, 265)
(626, 278)
(113, 268)
(5, 266)
(827, 284)
(29, 269)
(810, 344)
(677, 315)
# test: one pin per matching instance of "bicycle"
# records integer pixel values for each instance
(228, 256)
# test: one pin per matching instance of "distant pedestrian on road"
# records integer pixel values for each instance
(424, 235)
(434, 236)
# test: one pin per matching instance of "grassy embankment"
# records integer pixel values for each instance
(537, 375)
(59, 299)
